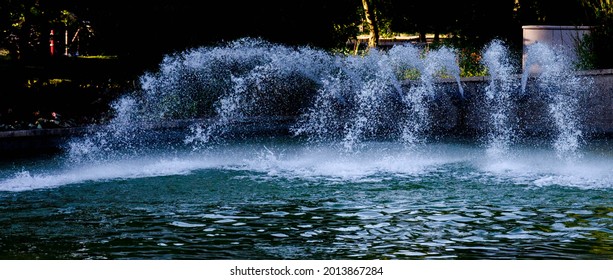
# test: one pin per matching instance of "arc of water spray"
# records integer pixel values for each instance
(559, 82)
(418, 119)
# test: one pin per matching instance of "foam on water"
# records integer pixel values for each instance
(377, 162)
(42, 178)
(541, 168)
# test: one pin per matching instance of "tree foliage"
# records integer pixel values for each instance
(599, 53)
(147, 30)
(21, 24)
(551, 12)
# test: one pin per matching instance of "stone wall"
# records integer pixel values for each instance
(597, 104)
(530, 112)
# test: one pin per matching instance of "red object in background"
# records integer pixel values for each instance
(51, 46)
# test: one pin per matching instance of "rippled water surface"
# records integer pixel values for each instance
(287, 200)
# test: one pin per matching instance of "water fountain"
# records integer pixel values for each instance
(562, 89)
(499, 92)
(256, 150)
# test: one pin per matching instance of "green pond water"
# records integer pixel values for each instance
(284, 199)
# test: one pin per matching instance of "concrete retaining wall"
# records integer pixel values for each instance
(597, 105)
(35, 141)
(530, 111)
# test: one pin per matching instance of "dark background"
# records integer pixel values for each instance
(146, 30)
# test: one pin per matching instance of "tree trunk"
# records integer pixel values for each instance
(371, 19)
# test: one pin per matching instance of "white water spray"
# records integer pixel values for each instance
(436, 63)
(558, 83)
(498, 98)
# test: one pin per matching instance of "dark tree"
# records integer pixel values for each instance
(21, 26)
(146, 31)
(423, 17)
(551, 12)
